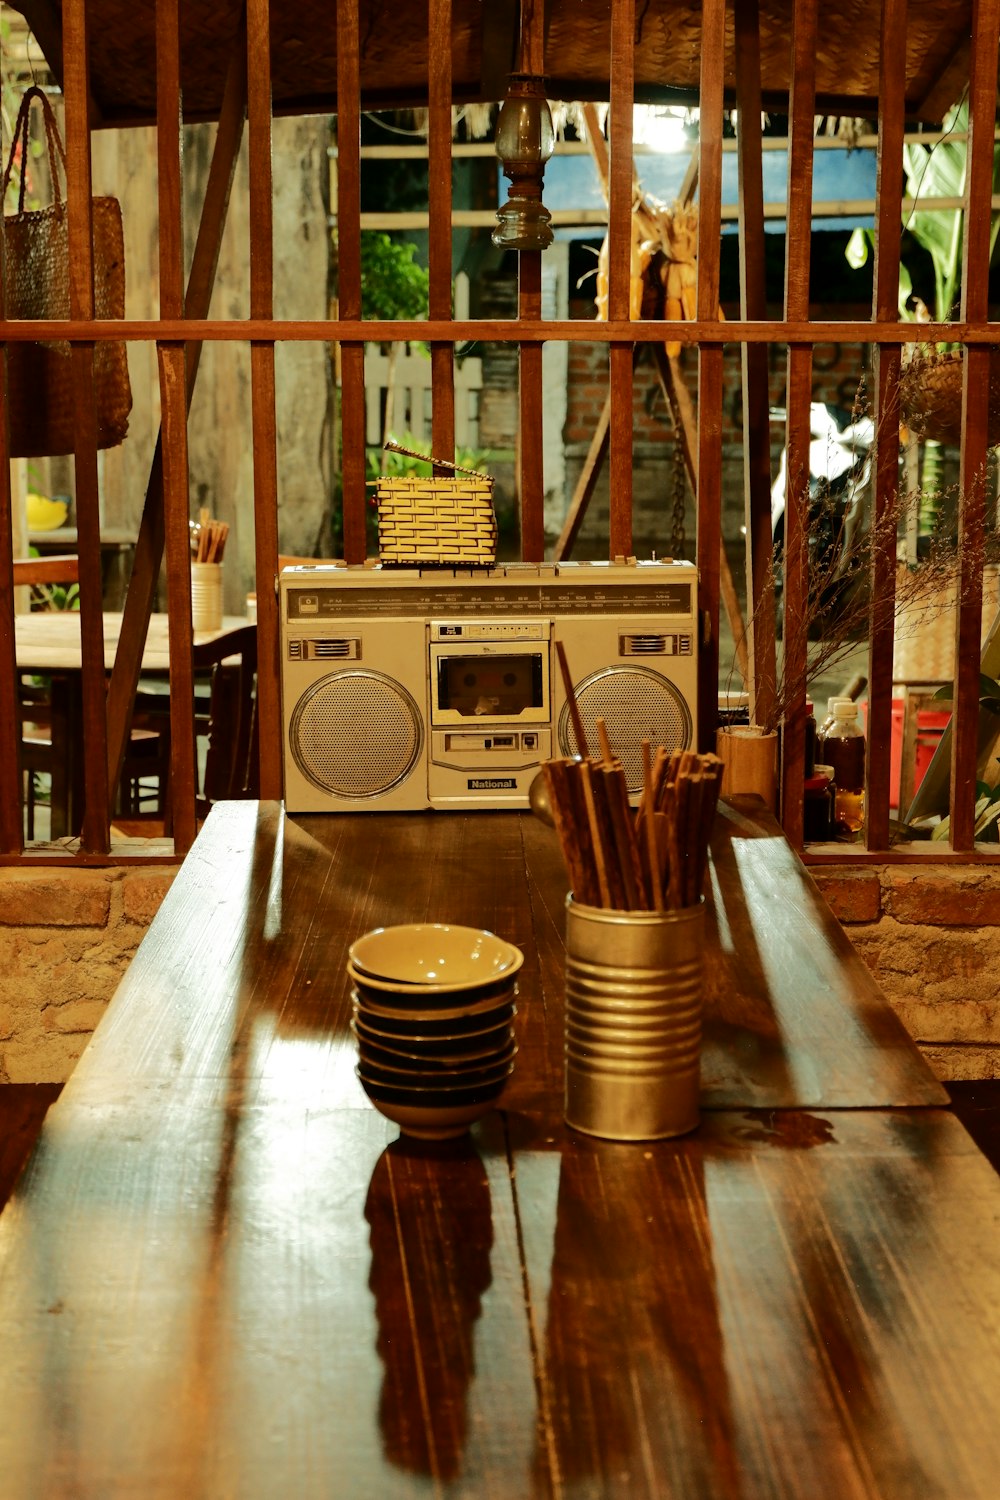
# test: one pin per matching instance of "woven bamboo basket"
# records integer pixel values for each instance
(930, 397)
(924, 644)
(436, 522)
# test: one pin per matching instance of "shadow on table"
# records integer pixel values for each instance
(431, 1231)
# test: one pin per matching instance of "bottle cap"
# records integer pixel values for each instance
(845, 708)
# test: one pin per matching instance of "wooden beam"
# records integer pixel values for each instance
(885, 299)
(975, 421)
(530, 424)
(760, 672)
(95, 834)
(61, 568)
(352, 353)
(799, 398)
(710, 364)
(622, 89)
(173, 416)
(262, 391)
(440, 227)
(11, 825)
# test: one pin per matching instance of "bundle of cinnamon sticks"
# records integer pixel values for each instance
(651, 860)
(208, 538)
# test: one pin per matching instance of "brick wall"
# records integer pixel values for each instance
(928, 934)
(66, 937)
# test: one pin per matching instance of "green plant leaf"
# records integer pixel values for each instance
(856, 251)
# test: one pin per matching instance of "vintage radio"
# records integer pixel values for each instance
(437, 688)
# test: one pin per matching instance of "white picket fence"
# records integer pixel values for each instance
(410, 377)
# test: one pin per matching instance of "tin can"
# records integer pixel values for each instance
(633, 1021)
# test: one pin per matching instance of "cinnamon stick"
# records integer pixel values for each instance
(616, 792)
(597, 840)
(574, 709)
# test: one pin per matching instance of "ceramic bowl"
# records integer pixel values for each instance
(389, 992)
(387, 1007)
(439, 1028)
(418, 1079)
(436, 955)
(490, 1039)
(484, 1093)
(391, 1053)
(436, 1122)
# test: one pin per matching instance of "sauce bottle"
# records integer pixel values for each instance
(843, 749)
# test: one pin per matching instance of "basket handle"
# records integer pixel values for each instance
(391, 446)
(57, 152)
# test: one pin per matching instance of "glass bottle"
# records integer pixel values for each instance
(843, 749)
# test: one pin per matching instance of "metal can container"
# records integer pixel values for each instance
(633, 1021)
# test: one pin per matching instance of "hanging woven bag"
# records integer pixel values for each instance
(36, 286)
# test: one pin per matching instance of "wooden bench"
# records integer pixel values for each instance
(222, 1273)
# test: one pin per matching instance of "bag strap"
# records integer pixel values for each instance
(443, 463)
(57, 151)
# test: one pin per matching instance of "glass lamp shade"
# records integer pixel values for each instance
(524, 143)
(525, 136)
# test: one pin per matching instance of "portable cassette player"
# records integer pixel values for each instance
(439, 689)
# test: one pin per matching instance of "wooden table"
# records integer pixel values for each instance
(47, 643)
(223, 1274)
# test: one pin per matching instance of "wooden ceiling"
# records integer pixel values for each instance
(394, 53)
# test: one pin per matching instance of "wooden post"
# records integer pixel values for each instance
(802, 109)
(619, 272)
(975, 420)
(885, 302)
(710, 357)
(760, 670)
(95, 836)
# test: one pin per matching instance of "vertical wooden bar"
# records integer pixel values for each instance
(802, 109)
(11, 819)
(95, 836)
(713, 31)
(439, 234)
(11, 823)
(173, 408)
(975, 419)
(888, 196)
(530, 426)
(755, 357)
(262, 396)
(352, 355)
(619, 271)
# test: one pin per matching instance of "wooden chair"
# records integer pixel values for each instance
(225, 723)
(146, 770)
(232, 762)
(35, 701)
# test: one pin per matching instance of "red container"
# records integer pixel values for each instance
(931, 724)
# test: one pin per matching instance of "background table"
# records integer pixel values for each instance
(47, 643)
(222, 1273)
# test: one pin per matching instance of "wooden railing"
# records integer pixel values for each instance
(183, 329)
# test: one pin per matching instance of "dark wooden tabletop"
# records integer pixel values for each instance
(223, 1274)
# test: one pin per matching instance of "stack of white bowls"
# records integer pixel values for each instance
(433, 1017)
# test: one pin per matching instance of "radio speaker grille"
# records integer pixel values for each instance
(356, 733)
(637, 704)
